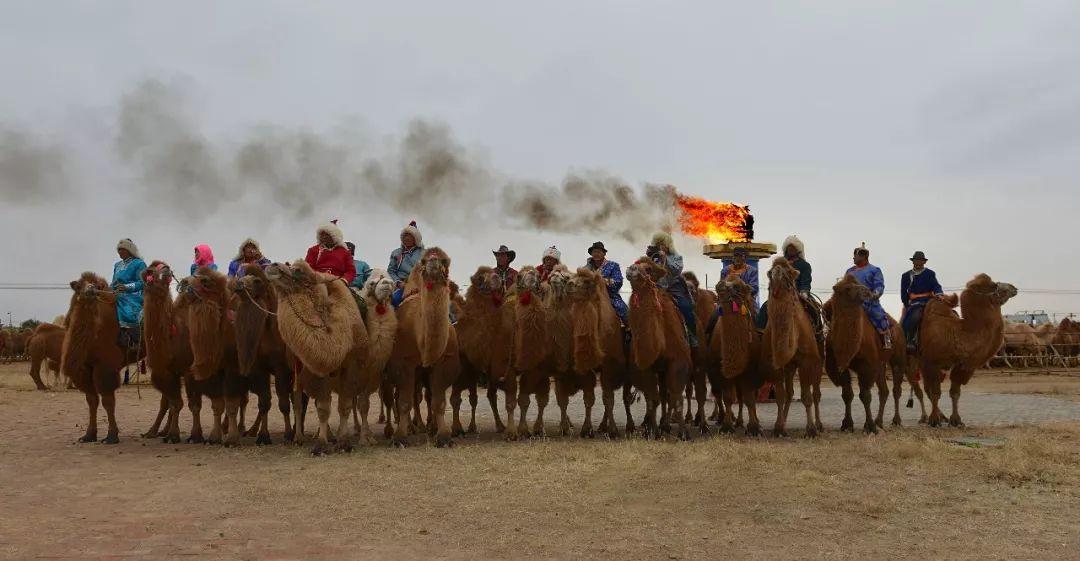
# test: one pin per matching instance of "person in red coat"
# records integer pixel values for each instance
(331, 255)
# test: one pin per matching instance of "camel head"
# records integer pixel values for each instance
(782, 277)
(528, 280)
(584, 285)
(486, 280)
(851, 290)
(88, 285)
(559, 279)
(157, 277)
(692, 280)
(252, 282)
(983, 288)
(733, 289)
(208, 282)
(644, 272)
(289, 278)
(434, 267)
(379, 287)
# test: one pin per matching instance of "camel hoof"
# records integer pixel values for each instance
(171, 439)
(382, 419)
(388, 431)
(344, 446)
(263, 439)
(847, 425)
(738, 422)
(587, 432)
(779, 433)
(151, 434)
(954, 421)
(705, 430)
(896, 422)
(320, 449)
(725, 428)
(811, 432)
(753, 430)
(613, 434)
(253, 431)
(879, 424)
(399, 442)
(443, 441)
(195, 439)
(472, 429)
(684, 434)
(870, 428)
(630, 428)
(289, 436)
(111, 438)
(819, 426)
(511, 436)
(922, 420)
(88, 437)
(457, 432)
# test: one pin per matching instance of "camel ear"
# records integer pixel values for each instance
(75, 285)
(794, 273)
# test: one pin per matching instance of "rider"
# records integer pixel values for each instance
(794, 252)
(870, 276)
(363, 270)
(403, 259)
(204, 257)
(611, 274)
(662, 252)
(127, 283)
(249, 254)
(552, 257)
(330, 255)
(917, 287)
(504, 256)
(745, 271)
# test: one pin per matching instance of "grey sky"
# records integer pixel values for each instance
(948, 127)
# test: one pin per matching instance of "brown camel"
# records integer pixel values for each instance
(16, 344)
(381, 324)
(852, 344)
(789, 345)
(735, 338)
(485, 327)
(1021, 341)
(45, 346)
(91, 356)
(660, 359)
(320, 324)
(947, 341)
(168, 351)
(426, 349)
(534, 349)
(704, 307)
(1066, 338)
(261, 353)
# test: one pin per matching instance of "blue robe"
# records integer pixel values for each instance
(611, 270)
(916, 289)
(749, 275)
(870, 276)
(236, 265)
(130, 302)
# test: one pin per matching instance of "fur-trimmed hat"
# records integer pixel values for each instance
(130, 246)
(795, 241)
(332, 230)
(664, 239)
(412, 229)
(552, 252)
(245, 243)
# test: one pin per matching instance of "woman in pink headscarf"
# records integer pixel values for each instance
(203, 258)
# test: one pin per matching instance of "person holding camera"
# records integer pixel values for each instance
(662, 252)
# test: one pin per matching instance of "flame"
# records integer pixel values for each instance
(717, 222)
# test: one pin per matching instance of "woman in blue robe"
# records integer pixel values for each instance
(127, 283)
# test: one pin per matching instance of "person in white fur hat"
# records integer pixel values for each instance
(330, 255)
(404, 258)
(552, 257)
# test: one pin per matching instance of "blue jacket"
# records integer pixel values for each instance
(129, 304)
(194, 267)
(749, 276)
(924, 284)
(402, 262)
(611, 270)
(235, 264)
(363, 271)
(674, 282)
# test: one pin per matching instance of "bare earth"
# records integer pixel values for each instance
(904, 494)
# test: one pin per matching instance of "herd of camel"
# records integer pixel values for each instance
(311, 337)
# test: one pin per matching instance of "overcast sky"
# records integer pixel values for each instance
(948, 127)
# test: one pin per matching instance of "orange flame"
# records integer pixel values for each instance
(714, 221)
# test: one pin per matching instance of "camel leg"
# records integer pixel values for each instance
(932, 375)
(92, 401)
(628, 400)
(283, 389)
(714, 417)
(523, 407)
(473, 400)
(172, 426)
(262, 423)
(299, 402)
(781, 397)
(740, 395)
(543, 393)
(233, 407)
(689, 399)
(562, 397)
(217, 405)
(242, 407)
(866, 386)
(816, 386)
(493, 401)
(727, 398)
(442, 378)
(363, 404)
(346, 406)
(701, 392)
(195, 407)
(455, 406)
(848, 424)
(954, 395)
(883, 397)
(649, 426)
(897, 393)
(155, 429)
(512, 390)
(607, 396)
(35, 373)
(589, 396)
(405, 390)
(806, 395)
(918, 390)
(108, 402)
(322, 407)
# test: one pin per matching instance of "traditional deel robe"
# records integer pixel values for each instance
(129, 304)
(611, 270)
(916, 289)
(747, 273)
(870, 276)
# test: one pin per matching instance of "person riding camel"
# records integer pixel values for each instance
(127, 283)
(403, 259)
(744, 271)
(612, 275)
(249, 254)
(917, 287)
(552, 257)
(204, 257)
(330, 255)
(871, 277)
(363, 270)
(794, 252)
(662, 252)
(504, 256)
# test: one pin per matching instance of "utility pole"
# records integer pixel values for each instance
(12, 325)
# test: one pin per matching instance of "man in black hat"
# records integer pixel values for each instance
(612, 275)
(917, 287)
(504, 256)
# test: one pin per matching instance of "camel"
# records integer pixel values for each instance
(947, 341)
(45, 346)
(485, 330)
(320, 324)
(789, 345)
(381, 324)
(704, 307)
(1022, 341)
(16, 344)
(532, 352)
(168, 351)
(852, 344)
(1066, 339)
(735, 338)
(660, 356)
(426, 349)
(260, 350)
(92, 357)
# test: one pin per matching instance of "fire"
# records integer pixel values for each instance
(717, 222)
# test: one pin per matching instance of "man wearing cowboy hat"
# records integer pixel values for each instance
(504, 256)
(917, 287)
(612, 275)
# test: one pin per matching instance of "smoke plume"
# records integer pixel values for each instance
(31, 171)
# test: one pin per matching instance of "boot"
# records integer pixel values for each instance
(887, 339)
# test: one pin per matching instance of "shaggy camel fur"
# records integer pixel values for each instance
(319, 321)
(735, 338)
(168, 351)
(1022, 340)
(45, 346)
(485, 330)
(598, 345)
(789, 345)
(533, 354)
(965, 344)
(425, 353)
(381, 324)
(660, 357)
(1066, 337)
(852, 344)
(260, 350)
(91, 356)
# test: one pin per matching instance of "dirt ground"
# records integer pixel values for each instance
(902, 494)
